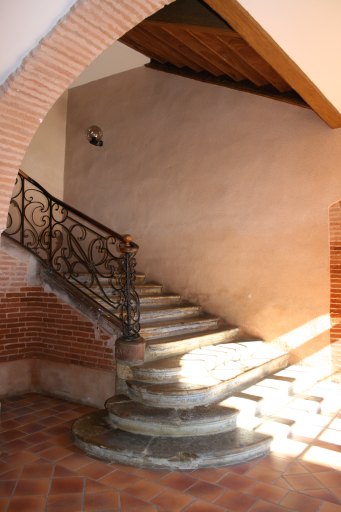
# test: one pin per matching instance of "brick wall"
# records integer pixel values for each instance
(37, 324)
(335, 282)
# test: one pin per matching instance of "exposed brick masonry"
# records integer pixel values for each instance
(335, 280)
(36, 324)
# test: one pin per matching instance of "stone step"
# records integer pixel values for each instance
(139, 279)
(141, 419)
(164, 329)
(158, 300)
(97, 437)
(160, 348)
(150, 314)
(221, 360)
(148, 289)
(199, 389)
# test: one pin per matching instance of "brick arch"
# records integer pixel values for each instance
(90, 27)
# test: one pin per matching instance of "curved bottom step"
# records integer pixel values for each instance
(94, 434)
(137, 418)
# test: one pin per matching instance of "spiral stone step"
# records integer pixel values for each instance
(187, 394)
(148, 314)
(137, 418)
(160, 348)
(94, 434)
(158, 300)
(167, 328)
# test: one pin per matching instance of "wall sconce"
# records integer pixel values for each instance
(94, 135)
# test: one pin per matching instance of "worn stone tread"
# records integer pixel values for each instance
(95, 435)
(138, 418)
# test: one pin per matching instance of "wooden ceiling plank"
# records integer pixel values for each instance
(269, 92)
(264, 45)
(184, 47)
(248, 55)
(223, 53)
(203, 52)
(167, 53)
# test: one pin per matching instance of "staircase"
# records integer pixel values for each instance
(176, 409)
(181, 373)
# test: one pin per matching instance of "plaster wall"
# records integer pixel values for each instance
(45, 156)
(226, 193)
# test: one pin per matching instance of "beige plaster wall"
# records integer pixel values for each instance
(227, 193)
(45, 156)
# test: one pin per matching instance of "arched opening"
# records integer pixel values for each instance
(88, 29)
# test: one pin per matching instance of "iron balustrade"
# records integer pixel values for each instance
(100, 262)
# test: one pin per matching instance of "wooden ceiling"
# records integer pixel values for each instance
(192, 39)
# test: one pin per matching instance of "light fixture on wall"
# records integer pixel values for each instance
(94, 135)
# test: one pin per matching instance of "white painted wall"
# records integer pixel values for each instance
(116, 59)
(309, 32)
(22, 24)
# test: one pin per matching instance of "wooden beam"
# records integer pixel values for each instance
(264, 45)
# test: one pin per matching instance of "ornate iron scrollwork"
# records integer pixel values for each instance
(88, 255)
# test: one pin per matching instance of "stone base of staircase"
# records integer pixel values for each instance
(96, 436)
(173, 411)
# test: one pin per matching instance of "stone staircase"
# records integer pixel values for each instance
(179, 408)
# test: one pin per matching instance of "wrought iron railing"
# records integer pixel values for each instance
(100, 262)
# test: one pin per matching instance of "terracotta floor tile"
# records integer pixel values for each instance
(61, 472)
(37, 470)
(131, 504)
(281, 482)
(205, 491)
(3, 504)
(72, 484)
(7, 487)
(15, 446)
(303, 482)
(45, 445)
(119, 479)
(55, 454)
(296, 468)
(330, 507)
(27, 504)
(145, 489)
(212, 475)
(203, 506)
(268, 492)
(177, 480)
(10, 435)
(64, 503)
(263, 474)
(330, 478)
(36, 438)
(92, 486)
(98, 502)
(274, 462)
(237, 482)
(300, 502)
(12, 474)
(31, 428)
(172, 501)
(21, 458)
(75, 461)
(325, 495)
(236, 501)
(36, 486)
(263, 506)
(96, 470)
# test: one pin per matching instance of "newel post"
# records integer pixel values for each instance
(130, 347)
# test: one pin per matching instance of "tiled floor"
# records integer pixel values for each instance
(41, 469)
